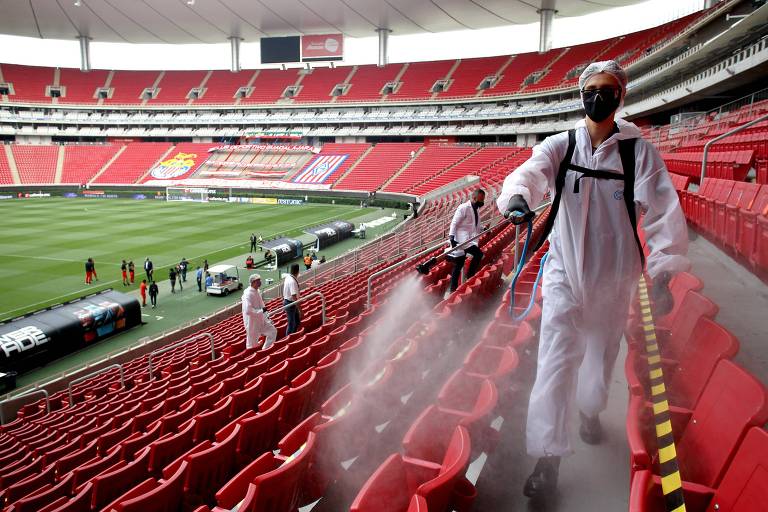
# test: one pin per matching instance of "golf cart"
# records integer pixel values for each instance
(226, 278)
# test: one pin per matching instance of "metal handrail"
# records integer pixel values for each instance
(177, 345)
(302, 299)
(93, 374)
(24, 395)
(721, 137)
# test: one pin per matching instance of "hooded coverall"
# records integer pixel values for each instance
(591, 271)
(256, 323)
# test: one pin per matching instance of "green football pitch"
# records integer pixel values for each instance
(45, 242)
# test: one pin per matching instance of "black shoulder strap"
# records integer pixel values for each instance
(559, 184)
(627, 154)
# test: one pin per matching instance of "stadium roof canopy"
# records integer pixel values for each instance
(213, 21)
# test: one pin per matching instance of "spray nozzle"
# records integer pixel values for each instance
(424, 268)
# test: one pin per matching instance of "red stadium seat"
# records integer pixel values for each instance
(709, 434)
(389, 489)
(742, 489)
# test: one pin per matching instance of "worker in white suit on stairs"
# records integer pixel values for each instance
(603, 176)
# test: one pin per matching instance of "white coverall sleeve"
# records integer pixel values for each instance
(537, 174)
(455, 221)
(664, 223)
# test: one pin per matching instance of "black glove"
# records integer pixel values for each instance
(661, 296)
(517, 204)
(454, 243)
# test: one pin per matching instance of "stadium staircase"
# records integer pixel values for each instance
(405, 167)
(9, 173)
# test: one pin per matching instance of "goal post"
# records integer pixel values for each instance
(192, 194)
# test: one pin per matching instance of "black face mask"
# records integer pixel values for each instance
(477, 204)
(600, 105)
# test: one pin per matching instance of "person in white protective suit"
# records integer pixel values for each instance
(465, 224)
(594, 260)
(255, 316)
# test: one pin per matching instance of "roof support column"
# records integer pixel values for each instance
(234, 45)
(546, 16)
(85, 53)
(383, 42)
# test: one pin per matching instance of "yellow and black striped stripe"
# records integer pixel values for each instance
(671, 483)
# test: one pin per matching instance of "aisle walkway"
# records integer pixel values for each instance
(743, 301)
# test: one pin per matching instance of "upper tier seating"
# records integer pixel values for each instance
(316, 87)
(36, 164)
(379, 165)
(133, 162)
(81, 87)
(127, 86)
(270, 85)
(366, 82)
(222, 86)
(81, 163)
(175, 86)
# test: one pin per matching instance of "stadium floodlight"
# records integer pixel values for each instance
(78, 3)
(190, 2)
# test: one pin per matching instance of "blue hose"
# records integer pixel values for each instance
(518, 271)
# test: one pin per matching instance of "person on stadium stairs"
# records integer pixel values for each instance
(593, 264)
(291, 295)
(465, 225)
(255, 317)
(124, 272)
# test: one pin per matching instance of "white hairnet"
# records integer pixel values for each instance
(253, 278)
(606, 66)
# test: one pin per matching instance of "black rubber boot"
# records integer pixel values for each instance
(590, 431)
(542, 484)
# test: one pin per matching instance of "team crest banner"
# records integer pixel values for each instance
(179, 166)
(320, 169)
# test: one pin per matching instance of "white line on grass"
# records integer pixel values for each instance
(3, 313)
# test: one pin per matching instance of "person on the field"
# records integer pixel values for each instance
(465, 225)
(199, 276)
(603, 175)
(249, 262)
(131, 271)
(153, 292)
(208, 280)
(178, 277)
(143, 292)
(307, 261)
(291, 295)
(205, 266)
(253, 243)
(172, 278)
(255, 316)
(124, 272)
(88, 271)
(149, 269)
(93, 269)
(183, 264)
